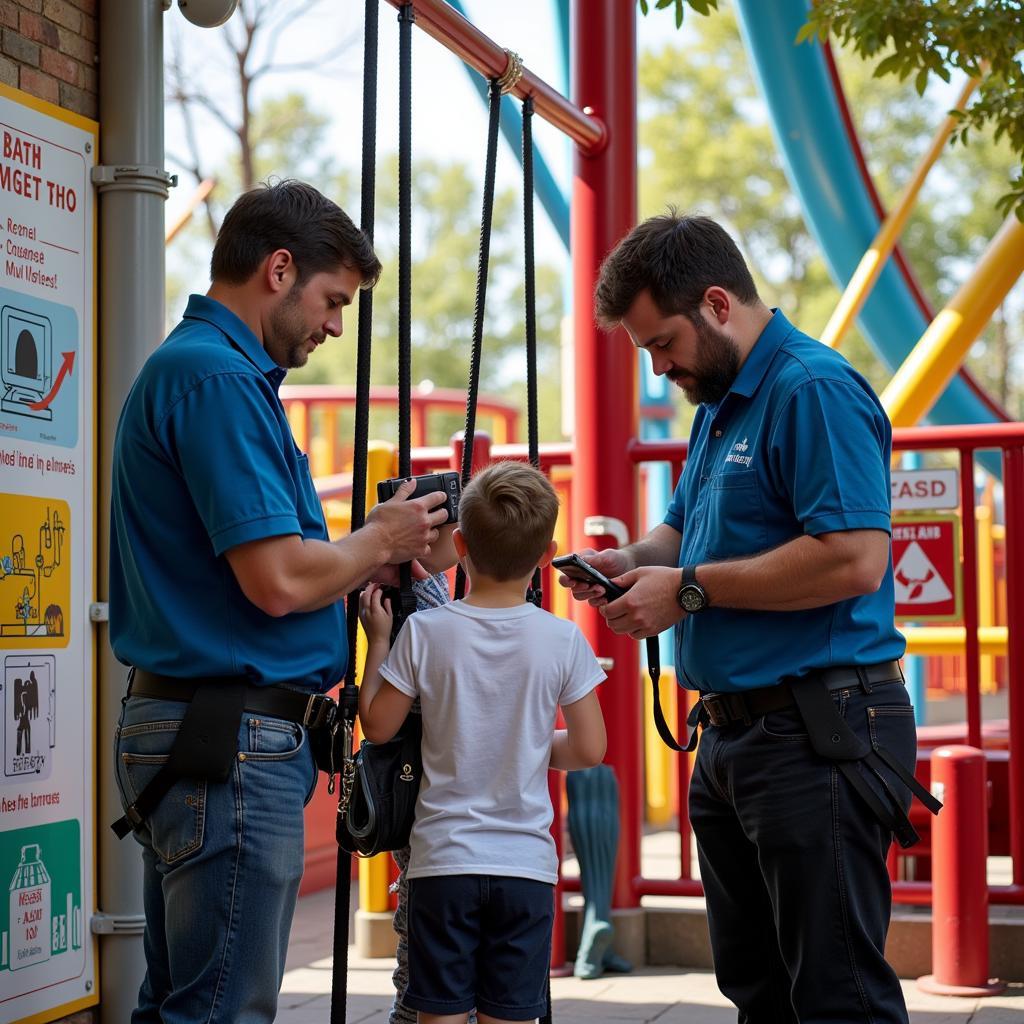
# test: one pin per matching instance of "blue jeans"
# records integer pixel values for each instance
(222, 863)
(793, 866)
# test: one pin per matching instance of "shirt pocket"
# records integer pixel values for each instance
(735, 517)
(311, 513)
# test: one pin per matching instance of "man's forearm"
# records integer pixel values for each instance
(330, 570)
(659, 547)
(806, 572)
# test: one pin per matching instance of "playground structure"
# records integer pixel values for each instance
(598, 475)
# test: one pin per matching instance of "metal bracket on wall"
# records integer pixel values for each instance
(133, 178)
(117, 924)
(99, 611)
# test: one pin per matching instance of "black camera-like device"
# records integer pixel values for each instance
(450, 482)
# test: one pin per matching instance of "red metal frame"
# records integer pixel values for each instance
(604, 481)
(965, 441)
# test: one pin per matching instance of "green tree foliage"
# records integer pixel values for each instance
(917, 39)
(706, 144)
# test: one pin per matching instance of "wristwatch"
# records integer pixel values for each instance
(692, 597)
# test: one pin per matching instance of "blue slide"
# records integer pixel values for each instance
(822, 168)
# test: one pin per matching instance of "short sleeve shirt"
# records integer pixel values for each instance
(204, 460)
(490, 682)
(799, 445)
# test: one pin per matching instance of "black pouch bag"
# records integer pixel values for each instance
(386, 782)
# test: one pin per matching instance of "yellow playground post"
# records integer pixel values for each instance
(938, 354)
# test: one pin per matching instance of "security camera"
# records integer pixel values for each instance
(207, 13)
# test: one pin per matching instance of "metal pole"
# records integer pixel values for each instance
(441, 21)
(132, 191)
(604, 479)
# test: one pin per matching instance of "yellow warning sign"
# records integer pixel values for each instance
(35, 572)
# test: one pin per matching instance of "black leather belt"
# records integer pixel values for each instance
(313, 710)
(726, 708)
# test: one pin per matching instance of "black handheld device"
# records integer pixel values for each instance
(450, 482)
(577, 567)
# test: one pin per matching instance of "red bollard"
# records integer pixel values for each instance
(959, 882)
(481, 450)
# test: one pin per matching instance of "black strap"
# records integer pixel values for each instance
(205, 748)
(407, 601)
(692, 720)
(349, 695)
(535, 593)
(473, 388)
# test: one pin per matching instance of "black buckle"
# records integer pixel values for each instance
(321, 711)
(726, 708)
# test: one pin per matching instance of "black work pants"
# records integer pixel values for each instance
(793, 865)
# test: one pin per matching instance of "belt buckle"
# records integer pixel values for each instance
(714, 706)
(320, 711)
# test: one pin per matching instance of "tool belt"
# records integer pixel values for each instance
(829, 733)
(207, 741)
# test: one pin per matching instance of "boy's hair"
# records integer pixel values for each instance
(675, 257)
(290, 215)
(507, 516)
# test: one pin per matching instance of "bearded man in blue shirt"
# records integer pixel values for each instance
(226, 600)
(773, 566)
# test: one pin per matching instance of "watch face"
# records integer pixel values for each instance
(691, 599)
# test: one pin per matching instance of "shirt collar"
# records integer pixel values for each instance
(202, 307)
(769, 341)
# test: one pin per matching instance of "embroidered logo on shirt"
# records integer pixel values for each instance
(741, 446)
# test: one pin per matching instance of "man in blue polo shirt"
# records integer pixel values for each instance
(225, 597)
(783, 612)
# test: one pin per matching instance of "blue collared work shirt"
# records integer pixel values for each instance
(204, 460)
(799, 445)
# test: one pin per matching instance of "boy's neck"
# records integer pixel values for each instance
(486, 592)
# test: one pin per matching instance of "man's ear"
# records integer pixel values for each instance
(720, 303)
(280, 272)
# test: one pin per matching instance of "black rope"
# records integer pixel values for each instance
(535, 594)
(349, 695)
(406, 16)
(481, 300)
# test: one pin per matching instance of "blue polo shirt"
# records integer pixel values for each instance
(204, 460)
(799, 445)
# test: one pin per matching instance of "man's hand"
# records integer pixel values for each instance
(651, 605)
(375, 614)
(407, 527)
(611, 562)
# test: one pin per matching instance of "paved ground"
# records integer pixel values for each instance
(668, 995)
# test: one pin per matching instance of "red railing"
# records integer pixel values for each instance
(964, 441)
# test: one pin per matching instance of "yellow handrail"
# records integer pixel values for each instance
(937, 356)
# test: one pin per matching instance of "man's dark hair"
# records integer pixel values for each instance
(294, 216)
(675, 257)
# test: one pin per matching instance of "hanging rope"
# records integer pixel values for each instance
(406, 15)
(350, 694)
(473, 388)
(535, 594)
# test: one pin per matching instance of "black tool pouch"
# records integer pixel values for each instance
(205, 748)
(381, 807)
(833, 739)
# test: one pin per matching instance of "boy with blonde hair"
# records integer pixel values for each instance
(490, 672)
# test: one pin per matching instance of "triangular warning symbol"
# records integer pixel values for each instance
(917, 580)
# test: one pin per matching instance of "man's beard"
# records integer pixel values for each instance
(287, 338)
(718, 363)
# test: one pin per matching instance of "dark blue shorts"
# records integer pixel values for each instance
(479, 941)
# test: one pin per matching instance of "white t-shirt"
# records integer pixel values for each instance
(489, 681)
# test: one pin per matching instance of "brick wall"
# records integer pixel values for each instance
(48, 49)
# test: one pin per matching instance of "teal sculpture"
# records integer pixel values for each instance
(594, 827)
